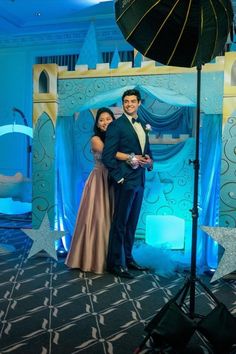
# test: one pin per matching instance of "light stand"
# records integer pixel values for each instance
(194, 211)
(190, 285)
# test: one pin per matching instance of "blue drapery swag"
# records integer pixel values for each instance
(74, 162)
(179, 121)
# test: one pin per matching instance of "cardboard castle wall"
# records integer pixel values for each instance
(69, 90)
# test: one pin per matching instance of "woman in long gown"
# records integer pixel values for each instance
(88, 249)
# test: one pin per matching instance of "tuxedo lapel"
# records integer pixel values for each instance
(131, 130)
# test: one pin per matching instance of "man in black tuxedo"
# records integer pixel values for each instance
(129, 136)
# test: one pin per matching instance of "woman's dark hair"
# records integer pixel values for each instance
(97, 131)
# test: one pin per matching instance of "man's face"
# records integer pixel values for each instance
(130, 105)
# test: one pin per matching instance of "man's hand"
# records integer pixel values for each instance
(139, 160)
(146, 162)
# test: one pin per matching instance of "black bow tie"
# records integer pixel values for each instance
(136, 120)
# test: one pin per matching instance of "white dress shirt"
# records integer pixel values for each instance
(140, 132)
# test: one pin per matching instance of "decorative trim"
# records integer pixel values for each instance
(66, 37)
(125, 68)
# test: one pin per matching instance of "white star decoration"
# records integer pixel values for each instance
(43, 238)
(226, 237)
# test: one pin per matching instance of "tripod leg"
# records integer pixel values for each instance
(140, 347)
(183, 297)
(209, 292)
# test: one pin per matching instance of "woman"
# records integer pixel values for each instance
(88, 250)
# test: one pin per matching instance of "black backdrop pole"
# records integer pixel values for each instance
(28, 146)
(194, 210)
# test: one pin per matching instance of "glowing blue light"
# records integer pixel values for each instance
(7, 205)
(16, 128)
(165, 231)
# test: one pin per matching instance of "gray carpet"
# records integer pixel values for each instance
(45, 308)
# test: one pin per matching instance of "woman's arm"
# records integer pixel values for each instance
(122, 156)
(98, 145)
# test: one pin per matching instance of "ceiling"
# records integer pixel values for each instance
(29, 17)
(20, 17)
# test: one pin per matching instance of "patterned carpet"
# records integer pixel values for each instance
(46, 308)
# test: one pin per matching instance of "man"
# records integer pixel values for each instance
(127, 135)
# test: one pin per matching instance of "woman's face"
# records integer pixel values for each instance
(104, 120)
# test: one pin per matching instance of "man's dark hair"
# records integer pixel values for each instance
(97, 131)
(132, 92)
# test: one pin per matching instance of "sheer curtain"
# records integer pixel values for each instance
(74, 162)
(210, 160)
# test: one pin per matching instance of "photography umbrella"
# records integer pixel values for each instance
(184, 33)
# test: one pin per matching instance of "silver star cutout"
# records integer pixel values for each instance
(43, 238)
(226, 237)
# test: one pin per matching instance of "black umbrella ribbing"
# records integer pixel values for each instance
(183, 33)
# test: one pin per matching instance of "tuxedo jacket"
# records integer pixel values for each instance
(122, 137)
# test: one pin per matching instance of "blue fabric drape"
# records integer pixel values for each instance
(210, 160)
(169, 156)
(180, 121)
(73, 164)
(65, 213)
(112, 97)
